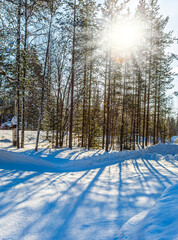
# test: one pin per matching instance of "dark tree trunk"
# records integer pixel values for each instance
(108, 105)
(155, 111)
(24, 79)
(57, 109)
(123, 111)
(148, 109)
(84, 107)
(72, 80)
(144, 116)
(89, 107)
(104, 107)
(43, 86)
(18, 70)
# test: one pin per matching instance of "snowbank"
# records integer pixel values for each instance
(20, 161)
(174, 139)
(160, 222)
(79, 159)
(164, 149)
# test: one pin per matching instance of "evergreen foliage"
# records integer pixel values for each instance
(62, 71)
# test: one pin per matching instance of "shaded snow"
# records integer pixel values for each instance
(80, 194)
(160, 222)
(174, 139)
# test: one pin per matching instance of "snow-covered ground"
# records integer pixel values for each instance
(79, 194)
(160, 222)
(174, 139)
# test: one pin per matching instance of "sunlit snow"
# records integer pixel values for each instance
(79, 194)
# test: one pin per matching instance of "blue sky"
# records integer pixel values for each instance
(170, 8)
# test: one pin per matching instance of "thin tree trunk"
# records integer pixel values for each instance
(155, 110)
(144, 116)
(72, 81)
(149, 85)
(104, 107)
(132, 116)
(133, 140)
(18, 70)
(108, 105)
(2, 112)
(84, 106)
(113, 113)
(158, 112)
(43, 86)
(138, 109)
(89, 107)
(123, 111)
(61, 124)
(53, 129)
(57, 109)
(148, 107)
(24, 79)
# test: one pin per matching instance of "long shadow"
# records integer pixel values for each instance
(153, 173)
(135, 163)
(175, 165)
(128, 204)
(62, 229)
(119, 198)
(161, 165)
(17, 180)
(120, 180)
(74, 184)
(7, 172)
(52, 205)
(51, 182)
(137, 170)
(158, 173)
(10, 205)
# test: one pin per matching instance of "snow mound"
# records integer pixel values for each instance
(19, 161)
(164, 149)
(174, 139)
(161, 222)
(79, 159)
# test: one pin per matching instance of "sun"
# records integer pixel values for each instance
(124, 36)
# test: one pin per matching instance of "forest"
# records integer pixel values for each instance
(88, 74)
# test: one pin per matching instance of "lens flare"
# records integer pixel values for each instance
(124, 36)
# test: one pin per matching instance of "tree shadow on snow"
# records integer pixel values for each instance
(94, 203)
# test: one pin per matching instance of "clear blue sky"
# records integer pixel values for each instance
(170, 8)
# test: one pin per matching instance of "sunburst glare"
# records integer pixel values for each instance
(124, 36)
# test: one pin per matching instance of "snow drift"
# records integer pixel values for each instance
(160, 222)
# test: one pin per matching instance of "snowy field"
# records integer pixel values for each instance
(87, 195)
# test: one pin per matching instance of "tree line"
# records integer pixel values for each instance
(62, 72)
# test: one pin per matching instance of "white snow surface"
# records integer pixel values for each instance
(174, 139)
(68, 194)
(160, 222)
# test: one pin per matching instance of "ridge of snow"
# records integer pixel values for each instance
(79, 159)
(13, 160)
